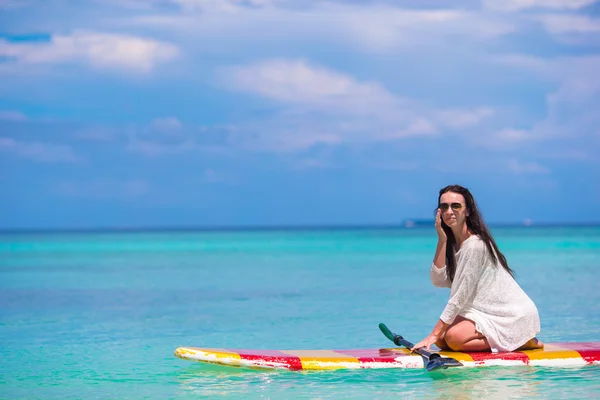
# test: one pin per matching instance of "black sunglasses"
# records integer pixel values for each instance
(454, 206)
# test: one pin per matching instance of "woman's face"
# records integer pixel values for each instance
(453, 209)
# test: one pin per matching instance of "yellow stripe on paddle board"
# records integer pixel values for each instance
(323, 359)
(462, 357)
(557, 354)
(219, 356)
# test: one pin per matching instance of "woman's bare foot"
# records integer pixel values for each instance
(532, 344)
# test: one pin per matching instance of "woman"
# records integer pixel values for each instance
(487, 309)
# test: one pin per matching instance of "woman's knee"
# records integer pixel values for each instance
(459, 334)
(464, 337)
(454, 340)
(441, 343)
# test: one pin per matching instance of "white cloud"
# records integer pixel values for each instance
(309, 163)
(562, 24)
(297, 82)
(507, 138)
(137, 5)
(10, 115)
(155, 148)
(526, 62)
(563, 153)
(571, 107)
(577, 76)
(521, 168)
(512, 135)
(460, 119)
(517, 5)
(387, 28)
(40, 152)
(191, 5)
(8, 4)
(100, 50)
(97, 134)
(322, 106)
(163, 136)
(167, 124)
(275, 136)
(221, 5)
(213, 176)
(374, 27)
(347, 110)
(418, 127)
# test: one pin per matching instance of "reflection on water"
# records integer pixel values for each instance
(522, 382)
(486, 383)
(459, 383)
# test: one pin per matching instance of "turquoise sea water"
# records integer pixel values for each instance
(98, 315)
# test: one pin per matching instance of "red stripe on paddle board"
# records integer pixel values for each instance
(589, 351)
(510, 356)
(271, 356)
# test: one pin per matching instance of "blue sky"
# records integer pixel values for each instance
(149, 113)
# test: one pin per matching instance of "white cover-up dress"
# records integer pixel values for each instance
(485, 293)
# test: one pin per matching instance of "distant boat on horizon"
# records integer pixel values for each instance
(416, 223)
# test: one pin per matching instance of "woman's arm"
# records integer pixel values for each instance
(469, 268)
(439, 277)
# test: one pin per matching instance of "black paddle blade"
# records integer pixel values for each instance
(442, 362)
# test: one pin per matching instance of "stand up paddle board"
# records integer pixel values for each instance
(553, 354)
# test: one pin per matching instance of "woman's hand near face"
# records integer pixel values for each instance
(438, 226)
(440, 252)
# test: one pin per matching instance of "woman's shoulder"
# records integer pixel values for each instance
(474, 242)
(473, 248)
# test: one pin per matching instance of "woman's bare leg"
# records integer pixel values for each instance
(462, 336)
(441, 343)
(532, 344)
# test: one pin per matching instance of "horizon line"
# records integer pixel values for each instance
(405, 225)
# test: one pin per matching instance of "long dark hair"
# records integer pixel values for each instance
(476, 226)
